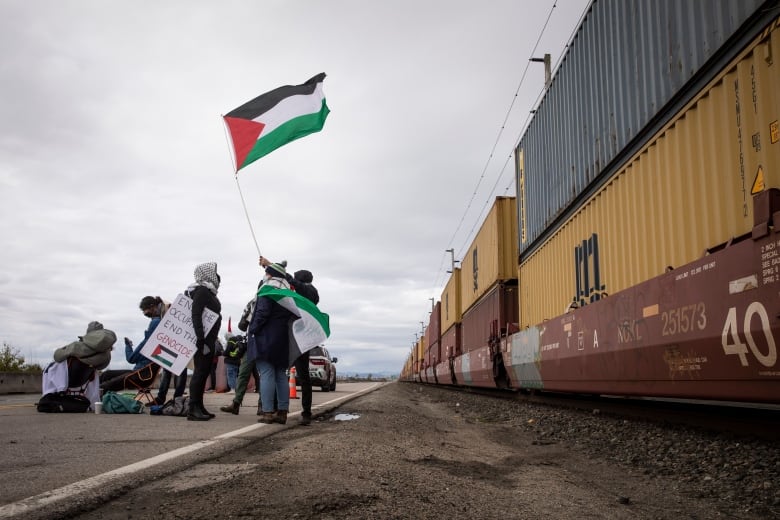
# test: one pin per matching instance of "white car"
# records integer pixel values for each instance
(322, 369)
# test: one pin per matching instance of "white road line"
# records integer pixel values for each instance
(30, 504)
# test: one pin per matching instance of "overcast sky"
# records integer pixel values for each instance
(116, 173)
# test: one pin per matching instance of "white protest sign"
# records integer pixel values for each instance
(172, 343)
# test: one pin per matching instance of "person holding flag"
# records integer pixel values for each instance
(269, 344)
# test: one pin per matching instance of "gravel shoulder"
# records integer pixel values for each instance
(422, 452)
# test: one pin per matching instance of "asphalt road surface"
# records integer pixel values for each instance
(47, 459)
(399, 451)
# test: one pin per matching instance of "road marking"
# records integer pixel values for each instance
(27, 505)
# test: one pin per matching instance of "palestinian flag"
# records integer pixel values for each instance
(311, 328)
(164, 356)
(276, 118)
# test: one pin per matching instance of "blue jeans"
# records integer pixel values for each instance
(165, 382)
(273, 383)
(232, 375)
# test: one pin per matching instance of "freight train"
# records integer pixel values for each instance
(640, 255)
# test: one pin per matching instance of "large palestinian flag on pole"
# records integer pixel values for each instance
(311, 328)
(276, 118)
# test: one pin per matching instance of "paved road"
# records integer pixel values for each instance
(46, 458)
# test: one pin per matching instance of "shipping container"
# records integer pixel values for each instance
(484, 324)
(631, 66)
(492, 255)
(433, 330)
(450, 348)
(451, 342)
(493, 316)
(451, 301)
(685, 191)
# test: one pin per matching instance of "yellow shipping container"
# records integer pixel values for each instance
(689, 189)
(450, 301)
(420, 351)
(492, 255)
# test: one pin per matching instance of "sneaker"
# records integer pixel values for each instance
(305, 420)
(231, 392)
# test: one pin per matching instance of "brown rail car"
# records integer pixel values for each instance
(705, 330)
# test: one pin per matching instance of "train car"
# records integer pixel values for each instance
(450, 314)
(706, 330)
(488, 296)
(648, 234)
(433, 342)
(689, 217)
(451, 349)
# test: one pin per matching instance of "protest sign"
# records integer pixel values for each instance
(172, 343)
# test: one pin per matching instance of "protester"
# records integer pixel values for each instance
(204, 296)
(234, 353)
(93, 348)
(93, 351)
(247, 367)
(114, 380)
(302, 284)
(268, 343)
(155, 307)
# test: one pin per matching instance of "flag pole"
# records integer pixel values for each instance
(240, 194)
(251, 229)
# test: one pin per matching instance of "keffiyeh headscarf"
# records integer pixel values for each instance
(206, 275)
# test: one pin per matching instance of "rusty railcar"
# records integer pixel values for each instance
(484, 324)
(705, 330)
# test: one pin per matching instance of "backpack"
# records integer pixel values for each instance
(178, 406)
(120, 403)
(63, 402)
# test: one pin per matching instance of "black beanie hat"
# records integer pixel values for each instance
(304, 276)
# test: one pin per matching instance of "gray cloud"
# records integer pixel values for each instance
(116, 175)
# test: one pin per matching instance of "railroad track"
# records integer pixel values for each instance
(740, 420)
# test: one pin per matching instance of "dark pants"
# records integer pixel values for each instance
(202, 370)
(302, 376)
(213, 374)
(165, 381)
(115, 380)
(246, 369)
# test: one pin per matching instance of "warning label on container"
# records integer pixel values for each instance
(758, 182)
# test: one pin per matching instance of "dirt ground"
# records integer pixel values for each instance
(414, 452)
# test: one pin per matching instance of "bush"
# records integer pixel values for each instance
(12, 361)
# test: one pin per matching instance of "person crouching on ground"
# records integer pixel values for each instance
(204, 296)
(268, 343)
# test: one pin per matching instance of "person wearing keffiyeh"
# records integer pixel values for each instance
(204, 296)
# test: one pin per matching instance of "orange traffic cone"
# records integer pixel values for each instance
(293, 389)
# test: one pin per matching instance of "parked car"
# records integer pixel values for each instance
(322, 369)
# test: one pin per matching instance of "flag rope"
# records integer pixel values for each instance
(240, 193)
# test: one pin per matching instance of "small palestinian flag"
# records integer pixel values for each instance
(311, 328)
(164, 355)
(276, 118)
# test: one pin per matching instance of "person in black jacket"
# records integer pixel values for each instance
(234, 353)
(268, 343)
(301, 282)
(204, 296)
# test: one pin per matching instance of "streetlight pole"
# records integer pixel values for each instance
(452, 254)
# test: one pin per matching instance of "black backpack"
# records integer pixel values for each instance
(62, 402)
